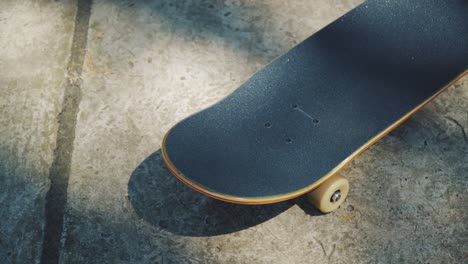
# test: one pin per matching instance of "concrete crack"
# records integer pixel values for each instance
(56, 198)
(460, 126)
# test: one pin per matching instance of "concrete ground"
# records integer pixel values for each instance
(88, 89)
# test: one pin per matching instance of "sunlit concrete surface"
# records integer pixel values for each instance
(149, 64)
(35, 41)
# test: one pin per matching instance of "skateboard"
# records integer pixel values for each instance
(296, 123)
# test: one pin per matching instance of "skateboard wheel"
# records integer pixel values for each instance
(330, 194)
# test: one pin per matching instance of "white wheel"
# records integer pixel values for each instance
(330, 194)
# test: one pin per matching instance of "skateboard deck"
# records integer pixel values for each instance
(307, 114)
